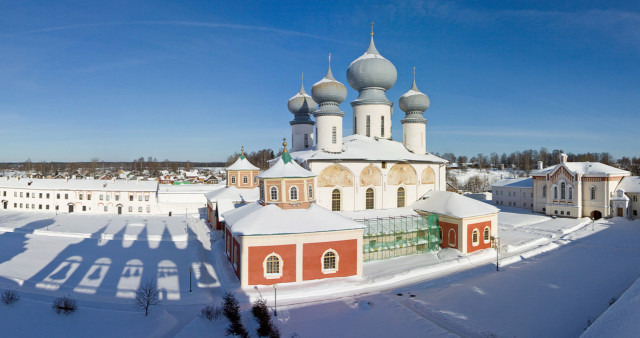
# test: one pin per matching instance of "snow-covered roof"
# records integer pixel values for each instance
(242, 164)
(189, 188)
(75, 184)
(630, 184)
(256, 219)
(451, 204)
(584, 168)
(521, 182)
(285, 167)
(234, 194)
(358, 147)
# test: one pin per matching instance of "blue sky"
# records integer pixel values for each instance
(197, 80)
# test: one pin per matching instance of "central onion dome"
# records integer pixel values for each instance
(414, 100)
(371, 70)
(301, 105)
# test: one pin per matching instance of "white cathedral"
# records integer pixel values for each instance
(366, 170)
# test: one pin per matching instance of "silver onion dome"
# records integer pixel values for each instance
(328, 89)
(371, 70)
(414, 100)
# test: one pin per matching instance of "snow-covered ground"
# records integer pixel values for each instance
(463, 176)
(556, 274)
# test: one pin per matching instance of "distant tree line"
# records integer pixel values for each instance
(527, 160)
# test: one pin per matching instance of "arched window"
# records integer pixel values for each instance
(335, 200)
(400, 197)
(329, 261)
(233, 180)
(474, 237)
(440, 233)
(293, 193)
(381, 126)
(570, 193)
(245, 179)
(369, 199)
(562, 190)
(274, 193)
(544, 191)
(452, 238)
(487, 234)
(255, 179)
(273, 266)
(555, 193)
(310, 191)
(334, 135)
(593, 193)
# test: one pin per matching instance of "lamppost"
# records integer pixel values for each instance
(275, 299)
(190, 271)
(496, 245)
(592, 224)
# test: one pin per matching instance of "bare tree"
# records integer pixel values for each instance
(147, 296)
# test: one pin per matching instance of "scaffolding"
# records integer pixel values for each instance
(388, 237)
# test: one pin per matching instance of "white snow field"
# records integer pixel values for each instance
(555, 276)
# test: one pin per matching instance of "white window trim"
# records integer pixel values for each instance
(489, 239)
(476, 243)
(280, 266)
(291, 192)
(450, 242)
(310, 191)
(245, 179)
(271, 193)
(328, 271)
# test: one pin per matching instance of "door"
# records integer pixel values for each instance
(4, 204)
(620, 212)
(119, 210)
(70, 208)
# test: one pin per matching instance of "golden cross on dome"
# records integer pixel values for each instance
(329, 57)
(371, 28)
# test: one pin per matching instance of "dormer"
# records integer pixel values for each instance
(242, 174)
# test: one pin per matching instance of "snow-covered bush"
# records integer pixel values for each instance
(65, 305)
(210, 312)
(261, 312)
(10, 296)
(231, 310)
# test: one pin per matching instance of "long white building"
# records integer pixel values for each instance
(81, 196)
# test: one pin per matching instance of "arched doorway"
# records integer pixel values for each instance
(5, 204)
(120, 209)
(596, 215)
(70, 208)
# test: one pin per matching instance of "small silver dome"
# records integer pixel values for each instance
(414, 100)
(328, 89)
(371, 70)
(301, 103)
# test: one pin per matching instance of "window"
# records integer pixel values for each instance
(27, 195)
(108, 197)
(40, 206)
(117, 197)
(148, 209)
(233, 180)
(381, 126)
(593, 193)
(146, 198)
(84, 208)
(368, 125)
(335, 200)
(329, 262)
(255, 179)
(245, 179)
(400, 197)
(555, 212)
(47, 196)
(293, 193)
(562, 212)
(80, 196)
(139, 209)
(66, 196)
(273, 266)
(106, 208)
(474, 237)
(130, 198)
(562, 190)
(384, 165)
(47, 206)
(369, 199)
(88, 197)
(440, 233)
(101, 197)
(27, 205)
(355, 125)
(635, 198)
(40, 195)
(310, 191)
(555, 193)
(274, 193)
(568, 213)
(486, 235)
(635, 213)
(130, 209)
(334, 135)
(570, 193)
(306, 140)
(140, 197)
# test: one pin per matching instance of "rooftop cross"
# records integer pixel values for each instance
(371, 28)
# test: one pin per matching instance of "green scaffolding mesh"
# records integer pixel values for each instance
(397, 236)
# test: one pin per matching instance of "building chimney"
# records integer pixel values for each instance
(540, 166)
(563, 158)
